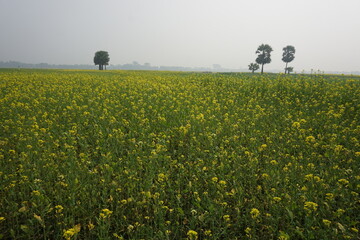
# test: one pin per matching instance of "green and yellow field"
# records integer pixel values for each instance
(171, 155)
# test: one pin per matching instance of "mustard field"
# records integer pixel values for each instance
(178, 155)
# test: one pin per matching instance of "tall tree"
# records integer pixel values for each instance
(288, 56)
(102, 59)
(253, 67)
(264, 57)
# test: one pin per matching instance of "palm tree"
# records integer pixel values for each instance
(264, 57)
(288, 56)
(253, 67)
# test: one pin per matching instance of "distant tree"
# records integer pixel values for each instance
(216, 66)
(253, 67)
(264, 57)
(102, 59)
(289, 70)
(288, 56)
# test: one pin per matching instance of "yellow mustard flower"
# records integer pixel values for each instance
(192, 235)
(254, 213)
(310, 206)
(105, 213)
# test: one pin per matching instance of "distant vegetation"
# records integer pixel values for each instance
(128, 66)
(15, 64)
(178, 155)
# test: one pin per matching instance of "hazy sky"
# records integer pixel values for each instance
(325, 33)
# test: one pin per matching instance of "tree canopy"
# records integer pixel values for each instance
(102, 59)
(264, 55)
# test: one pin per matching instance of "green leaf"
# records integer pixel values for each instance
(24, 228)
(181, 212)
(291, 214)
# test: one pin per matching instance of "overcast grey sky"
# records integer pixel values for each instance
(191, 33)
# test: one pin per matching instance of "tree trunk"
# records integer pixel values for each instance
(262, 68)
(286, 67)
(99, 66)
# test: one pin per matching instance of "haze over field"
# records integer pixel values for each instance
(186, 33)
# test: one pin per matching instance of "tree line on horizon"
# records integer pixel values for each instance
(102, 58)
(264, 57)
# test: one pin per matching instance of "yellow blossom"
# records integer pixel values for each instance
(71, 232)
(273, 162)
(265, 175)
(309, 177)
(283, 236)
(254, 213)
(59, 208)
(222, 182)
(161, 177)
(192, 235)
(226, 218)
(326, 222)
(310, 139)
(340, 211)
(262, 147)
(329, 196)
(90, 226)
(343, 181)
(35, 193)
(105, 213)
(310, 206)
(248, 232)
